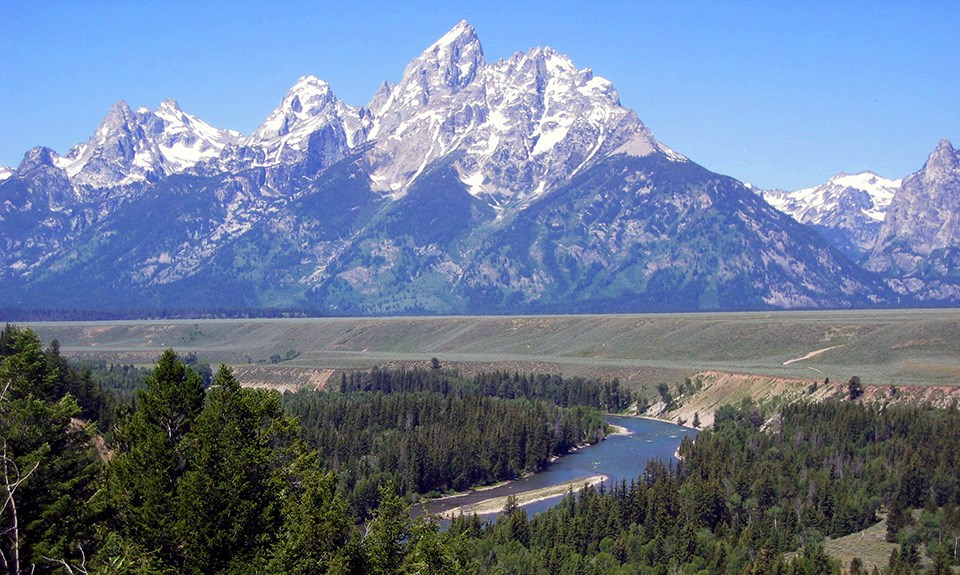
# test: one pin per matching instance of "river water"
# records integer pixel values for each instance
(618, 457)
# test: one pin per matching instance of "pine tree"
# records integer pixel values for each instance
(897, 518)
(228, 497)
(48, 465)
(388, 533)
(150, 458)
(315, 536)
(854, 388)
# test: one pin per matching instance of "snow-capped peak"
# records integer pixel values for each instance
(308, 98)
(462, 32)
(450, 63)
(853, 205)
(5, 172)
(185, 140)
(864, 191)
(133, 146)
(310, 121)
(517, 126)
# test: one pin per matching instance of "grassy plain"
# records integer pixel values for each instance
(883, 347)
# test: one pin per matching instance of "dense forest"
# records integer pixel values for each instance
(430, 431)
(185, 475)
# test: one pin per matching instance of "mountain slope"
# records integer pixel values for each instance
(514, 186)
(655, 234)
(848, 209)
(919, 243)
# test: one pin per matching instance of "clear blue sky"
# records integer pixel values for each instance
(781, 94)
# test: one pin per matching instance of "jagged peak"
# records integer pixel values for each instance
(554, 65)
(307, 95)
(462, 33)
(119, 107)
(170, 104)
(943, 158)
(547, 53)
(944, 144)
(380, 98)
(36, 157)
(452, 61)
(309, 83)
(119, 115)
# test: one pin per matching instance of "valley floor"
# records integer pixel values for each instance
(901, 348)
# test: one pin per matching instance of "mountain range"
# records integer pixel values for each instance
(516, 186)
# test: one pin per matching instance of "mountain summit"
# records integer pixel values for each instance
(848, 209)
(920, 238)
(521, 185)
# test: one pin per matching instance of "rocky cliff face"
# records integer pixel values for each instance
(919, 242)
(518, 185)
(848, 209)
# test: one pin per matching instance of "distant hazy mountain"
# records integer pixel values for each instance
(515, 186)
(848, 209)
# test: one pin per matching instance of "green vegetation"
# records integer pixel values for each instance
(428, 431)
(224, 479)
(895, 347)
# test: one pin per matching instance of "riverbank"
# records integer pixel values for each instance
(616, 430)
(496, 504)
(662, 420)
(631, 442)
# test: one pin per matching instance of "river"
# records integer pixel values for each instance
(618, 457)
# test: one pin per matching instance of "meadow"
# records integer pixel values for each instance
(883, 347)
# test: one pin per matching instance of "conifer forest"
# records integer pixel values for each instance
(177, 468)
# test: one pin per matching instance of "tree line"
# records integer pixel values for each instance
(609, 396)
(197, 477)
(216, 478)
(427, 442)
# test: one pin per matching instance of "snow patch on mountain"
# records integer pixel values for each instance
(848, 208)
(866, 192)
(5, 173)
(516, 127)
(131, 147)
(185, 140)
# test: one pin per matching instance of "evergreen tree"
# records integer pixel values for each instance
(431, 552)
(150, 458)
(315, 536)
(236, 452)
(48, 465)
(897, 518)
(388, 534)
(854, 388)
